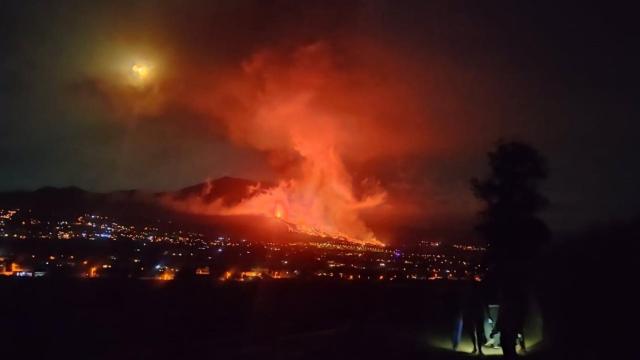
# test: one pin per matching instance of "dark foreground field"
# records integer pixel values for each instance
(585, 288)
(109, 319)
(102, 319)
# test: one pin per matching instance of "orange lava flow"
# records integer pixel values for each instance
(279, 212)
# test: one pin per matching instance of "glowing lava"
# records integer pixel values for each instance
(279, 212)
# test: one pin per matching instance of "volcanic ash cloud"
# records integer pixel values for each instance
(318, 110)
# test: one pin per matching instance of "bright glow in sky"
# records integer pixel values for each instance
(141, 71)
(140, 74)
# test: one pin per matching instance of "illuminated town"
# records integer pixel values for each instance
(92, 246)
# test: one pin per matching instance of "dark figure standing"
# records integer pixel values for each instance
(475, 314)
(457, 301)
(511, 319)
(471, 312)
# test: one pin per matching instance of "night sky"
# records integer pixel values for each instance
(409, 94)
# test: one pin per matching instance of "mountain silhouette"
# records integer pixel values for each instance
(73, 201)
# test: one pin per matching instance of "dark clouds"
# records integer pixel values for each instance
(561, 77)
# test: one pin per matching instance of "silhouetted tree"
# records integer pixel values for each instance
(509, 223)
(511, 228)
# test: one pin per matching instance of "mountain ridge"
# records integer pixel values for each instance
(71, 200)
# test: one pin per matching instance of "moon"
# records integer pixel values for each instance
(140, 71)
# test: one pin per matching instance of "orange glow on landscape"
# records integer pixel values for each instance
(166, 275)
(203, 271)
(12, 269)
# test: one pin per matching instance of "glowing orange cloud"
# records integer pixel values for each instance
(319, 109)
(303, 103)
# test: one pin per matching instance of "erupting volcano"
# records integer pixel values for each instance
(320, 203)
(313, 113)
(307, 110)
(316, 207)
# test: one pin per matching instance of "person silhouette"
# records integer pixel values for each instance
(511, 320)
(456, 301)
(475, 314)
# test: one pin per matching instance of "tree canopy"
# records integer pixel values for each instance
(509, 222)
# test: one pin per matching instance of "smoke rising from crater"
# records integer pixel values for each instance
(311, 109)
